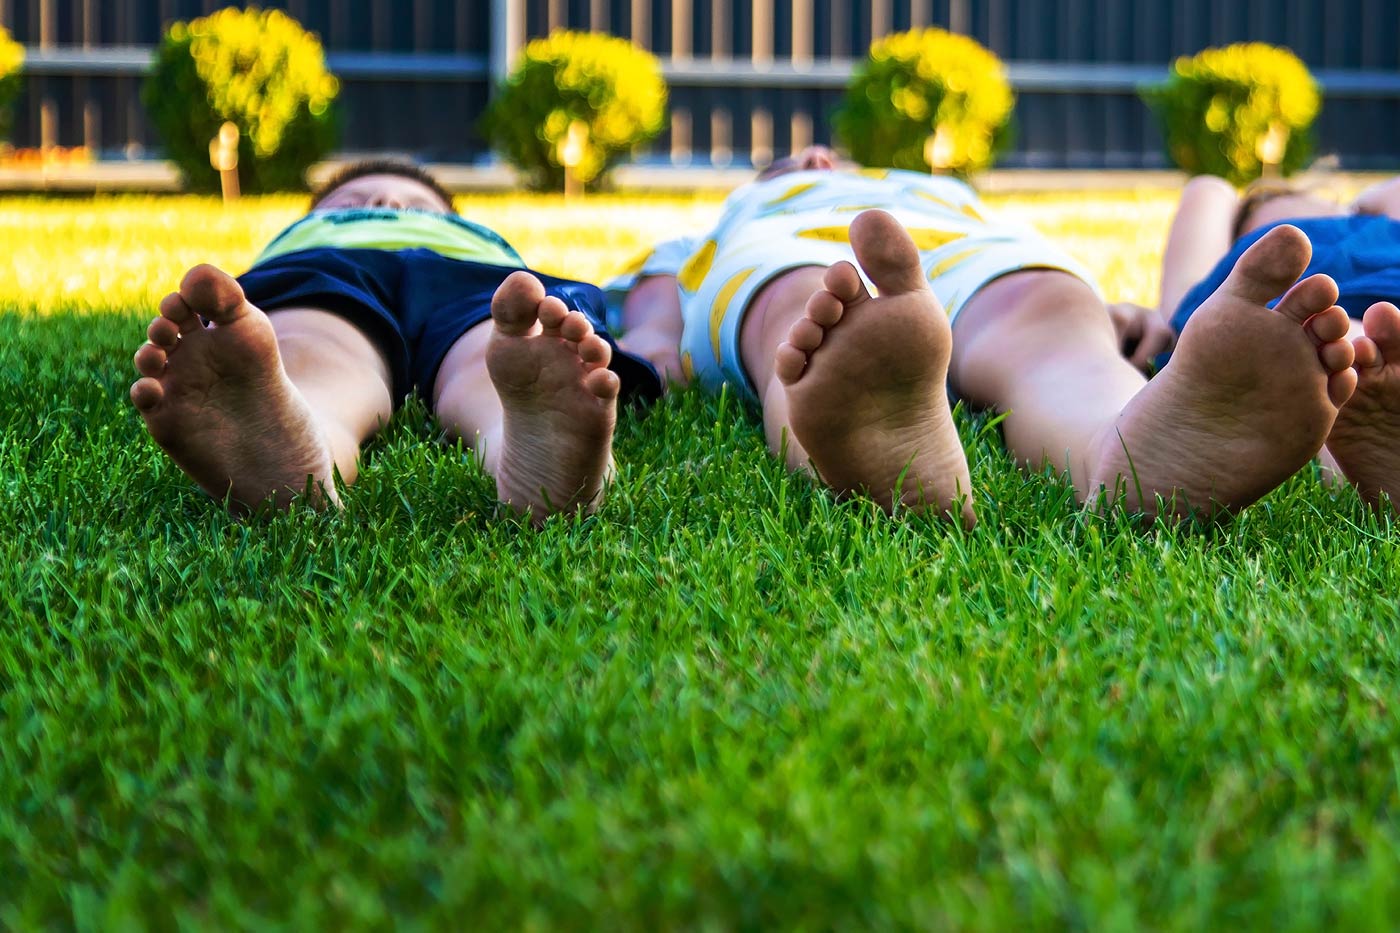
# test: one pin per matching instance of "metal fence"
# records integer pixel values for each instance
(749, 77)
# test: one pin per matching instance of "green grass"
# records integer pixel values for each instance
(726, 701)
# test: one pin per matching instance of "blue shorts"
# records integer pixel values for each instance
(415, 304)
(1361, 252)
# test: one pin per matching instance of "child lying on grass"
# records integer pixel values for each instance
(263, 387)
(1358, 246)
(855, 386)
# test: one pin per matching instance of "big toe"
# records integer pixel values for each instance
(212, 293)
(1270, 266)
(1382, 324)
(515, 305)
(887, 253)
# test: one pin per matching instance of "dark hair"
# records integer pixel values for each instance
(399, 167)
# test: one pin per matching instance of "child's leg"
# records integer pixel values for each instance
(1201, 234)
(854, 386)
(532, 392)
(254, 407)
(1247, 400)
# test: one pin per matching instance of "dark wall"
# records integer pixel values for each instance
(436, 118)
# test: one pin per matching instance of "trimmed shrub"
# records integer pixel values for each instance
(1218, 106)
(259, 70)
(11, 61)
(920, 83)
(609, 86)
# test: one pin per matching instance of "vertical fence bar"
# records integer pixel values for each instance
(462, 40)
(681, 14)
(422, 25)
(918, 14)
(507, 35)
(721, 30)
(641, 23)
(881, 19)
(598, 17)
(48, 105)
(92, 112)
(959, 16)
(721, 137)
(840, 28)
(380, 33)
(804, 41)
(556, 15)
(721, 49)
(761, 118)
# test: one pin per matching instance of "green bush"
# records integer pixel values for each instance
(609, 86)
(1217, 106)
(11, 61)
(259, 70)
(920, 83)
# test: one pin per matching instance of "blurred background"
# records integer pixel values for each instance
(746, 79)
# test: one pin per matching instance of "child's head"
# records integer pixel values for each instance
(813, 158)
(1269, 202)
(390, 183)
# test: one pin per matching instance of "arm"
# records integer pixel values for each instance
(1201, 234)
(1382, 198)
(652, 325)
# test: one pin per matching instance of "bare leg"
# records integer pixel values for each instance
(860, 382)
(1365, 441)
(533, 394)
(1200, 236)
(253, 408)
(1247, 400)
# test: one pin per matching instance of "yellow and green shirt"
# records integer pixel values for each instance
(447, 235)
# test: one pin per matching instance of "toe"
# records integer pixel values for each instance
(150, 360)
(1329, 325)
(212, 293)
(553, 313)
(1340, 387)
(843, 281)
(806, 335)
(887, 253)
(1368, 355)
(575, 327)
(1382, 324)
(164, 333)
(603, 383)
(789, 363)
(594, 350)
(1269, 266)
(146, 393)
(1314, 296)
(174, 309)
(1336, 355)
(515, 305)
(825, 308)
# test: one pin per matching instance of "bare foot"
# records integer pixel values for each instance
(560, 401)
(218, 401)
(866, 379)
(1365, 441)
(1248, 398)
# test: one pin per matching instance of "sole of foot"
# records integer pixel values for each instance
(1365, 440)
(1248, 398)
(866, 379)
(216, 398)
(559, 398)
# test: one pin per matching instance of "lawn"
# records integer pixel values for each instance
(726, 701)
